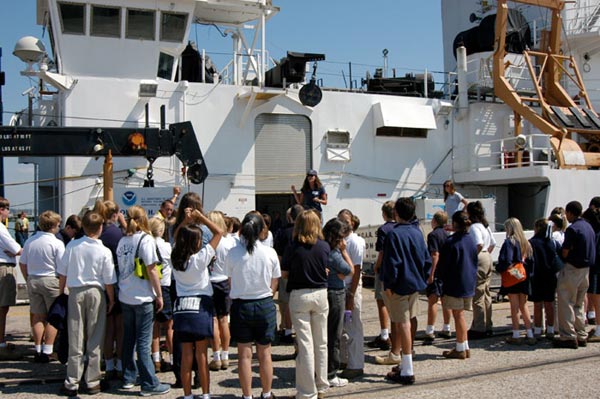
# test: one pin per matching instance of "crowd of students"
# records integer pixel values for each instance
(206, 279)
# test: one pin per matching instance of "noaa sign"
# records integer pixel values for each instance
(148, 198)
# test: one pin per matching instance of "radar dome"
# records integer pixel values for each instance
(29, 49)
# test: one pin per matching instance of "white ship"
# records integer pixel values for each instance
(530, 145)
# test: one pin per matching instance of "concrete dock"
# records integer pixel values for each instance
(495, 369)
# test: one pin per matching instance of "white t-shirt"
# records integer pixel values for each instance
(165, 251)
(251, 274)
(195, 279)
(87, 262)
(558, 236)
(454, 204)
(218, 268)
(7, 243)
(41, 254)
(132, 289)
(269, 240)
(355, 246)
(482, 236)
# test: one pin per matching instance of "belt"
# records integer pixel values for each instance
(7, 264)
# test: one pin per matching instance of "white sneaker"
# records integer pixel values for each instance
(336, 382)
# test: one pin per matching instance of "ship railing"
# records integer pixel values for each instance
(481, 79)
(505, 153)
(582, 17)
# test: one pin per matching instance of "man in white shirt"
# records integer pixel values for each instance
(87, 269)
(355, 246)
(9, 249)
(38, 263)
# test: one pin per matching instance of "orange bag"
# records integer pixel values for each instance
(514, 275)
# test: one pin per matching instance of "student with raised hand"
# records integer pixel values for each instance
(253, 270)
(221, 299)
(516, 249)
(458, 273)
(312, 194)
(193, 309)
(139, 298)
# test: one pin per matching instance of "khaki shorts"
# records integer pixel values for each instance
(453, 303)
(8, 286)
(402, 308)
(42, 292)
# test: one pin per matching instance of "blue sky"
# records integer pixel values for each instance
(344, 30)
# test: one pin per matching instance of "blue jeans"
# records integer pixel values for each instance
(137, 324)
(335, 324)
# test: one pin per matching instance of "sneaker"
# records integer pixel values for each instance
(402, 379)
(350, 374)
(336, 382)
(454, 354)
(129, 385)
(390, 359)
(64, 391)
(428, 339)
(160, 389)
(444, 334)
(214, 365)
(224, 364)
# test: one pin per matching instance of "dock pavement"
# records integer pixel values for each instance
(495, 369)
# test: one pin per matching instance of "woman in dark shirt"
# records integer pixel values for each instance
(312, 195)
(340, 266)
(305, 264)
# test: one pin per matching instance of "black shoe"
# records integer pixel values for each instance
(489, 333)
(378, 342)
(102, 387)
(402, 379)
(64, 391)
(286, 339)
(592, 321)
(177, 384)
(565, 343)
(41, 358)
(444, 334)
(582, 343)
(475, 335)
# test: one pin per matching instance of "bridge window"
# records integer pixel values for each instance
(165, 66)
(140, 24)
(172, 26)
(106, 21)
(72, 18)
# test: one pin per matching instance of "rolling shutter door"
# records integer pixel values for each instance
(282, 152)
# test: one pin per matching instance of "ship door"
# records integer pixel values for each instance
(282, 156)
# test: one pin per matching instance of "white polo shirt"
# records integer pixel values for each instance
(355, 246)
(7, 243)
(41, 254)
(87, 262)
(132, 289)
(195, 279)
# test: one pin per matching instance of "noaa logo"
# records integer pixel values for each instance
(129, 198)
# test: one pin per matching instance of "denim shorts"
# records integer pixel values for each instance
(253, 320)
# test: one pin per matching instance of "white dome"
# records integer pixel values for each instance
(29, 49)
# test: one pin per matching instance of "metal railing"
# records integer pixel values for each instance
(504, 154)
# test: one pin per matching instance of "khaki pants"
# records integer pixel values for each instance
(482, 301)
(86, 319)
(571, 288)
(309, 309)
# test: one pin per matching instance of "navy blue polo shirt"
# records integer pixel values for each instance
(306, 265)
(457, 267)
(580, 240)
(406, 262)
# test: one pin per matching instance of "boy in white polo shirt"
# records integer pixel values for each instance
(38, 263)
(87, 269)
